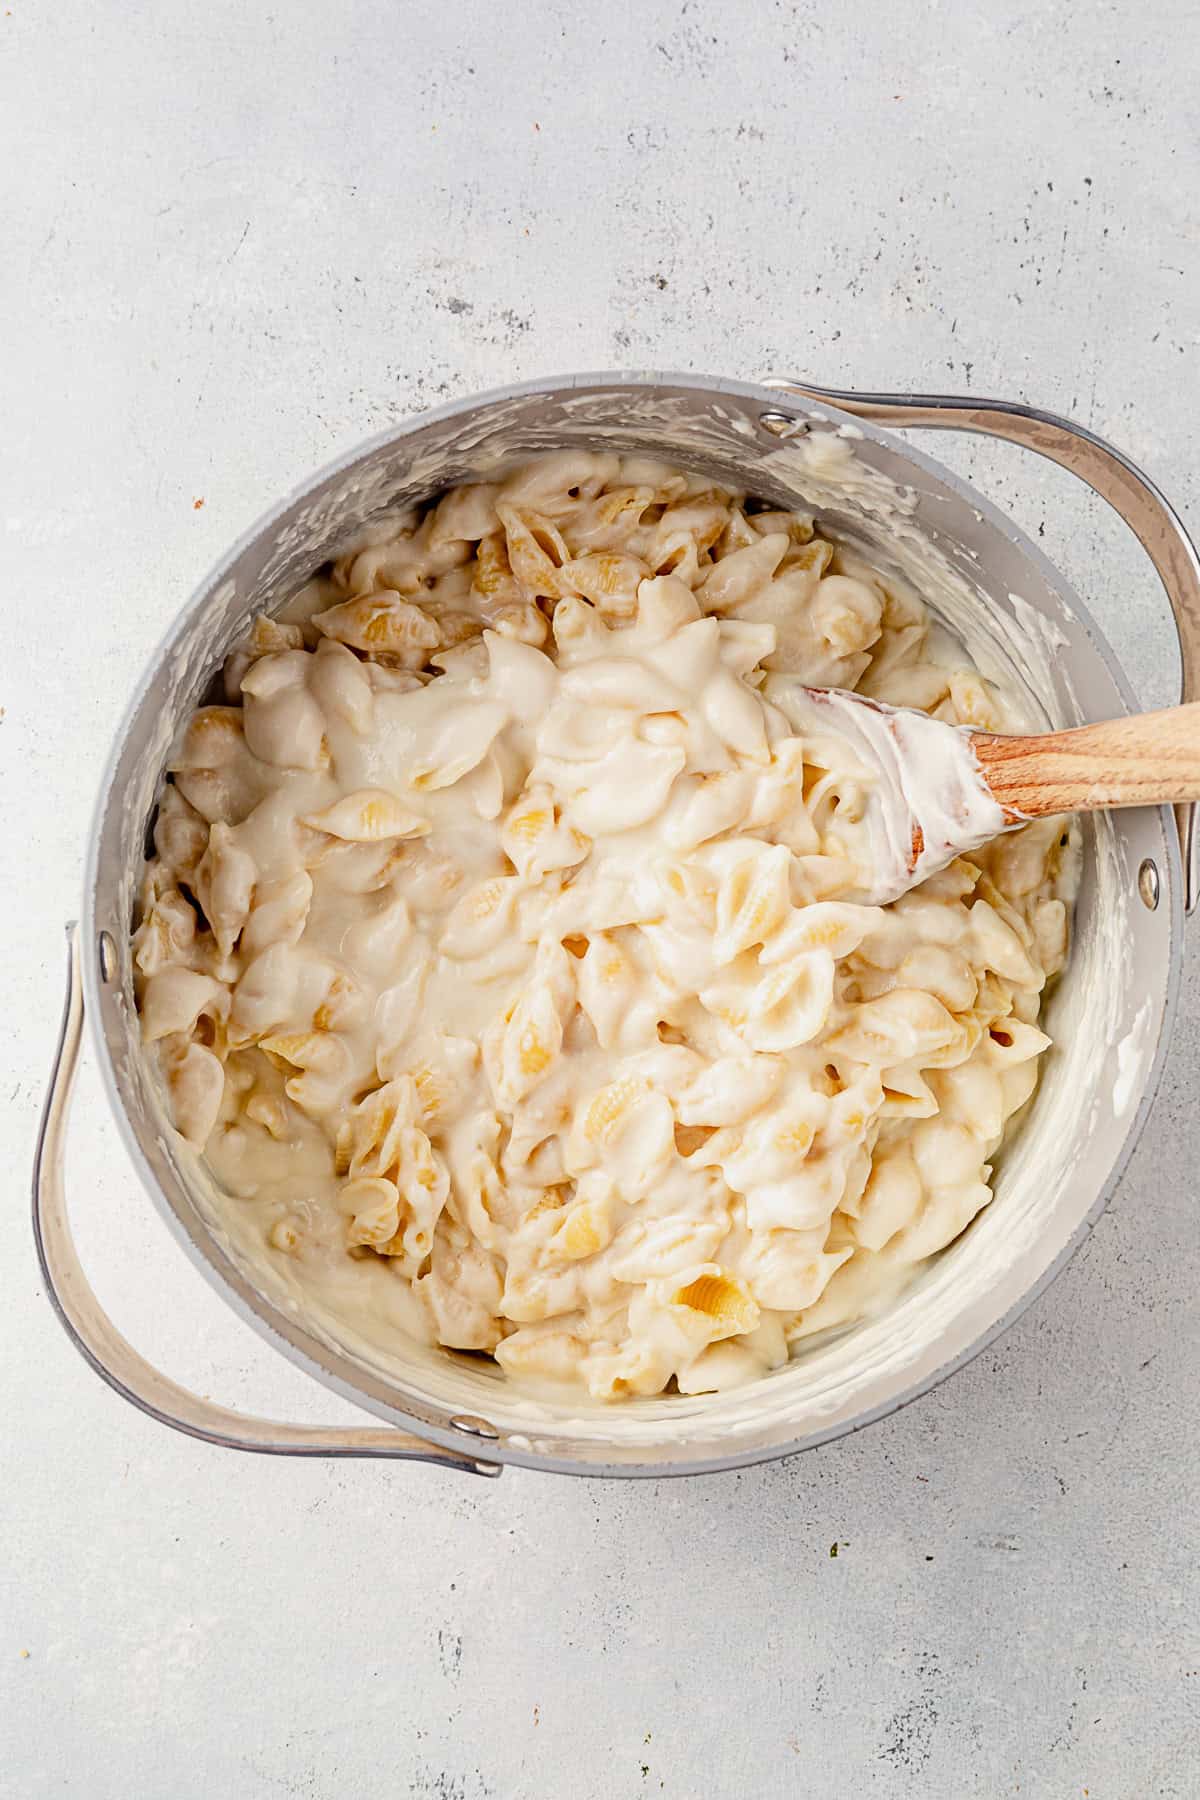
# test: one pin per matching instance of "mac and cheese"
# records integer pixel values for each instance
(505, 939)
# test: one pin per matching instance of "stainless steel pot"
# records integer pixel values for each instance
(1111, 1015)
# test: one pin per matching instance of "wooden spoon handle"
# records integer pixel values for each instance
(1143, 761)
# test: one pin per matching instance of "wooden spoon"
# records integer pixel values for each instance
(1151, 759)
(945, 789)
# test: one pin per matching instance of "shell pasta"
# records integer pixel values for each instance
(505, 950)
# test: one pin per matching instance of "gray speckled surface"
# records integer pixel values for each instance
(237, 240)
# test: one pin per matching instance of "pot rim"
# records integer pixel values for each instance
(506, 1452)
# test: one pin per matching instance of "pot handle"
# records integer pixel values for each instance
(1128, 490)
(116, 1361)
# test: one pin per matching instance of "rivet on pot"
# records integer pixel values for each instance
(783, 425)
(1148, 884)
(107, 951)
(472, 1426)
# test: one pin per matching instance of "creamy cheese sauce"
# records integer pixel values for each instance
(513, 945)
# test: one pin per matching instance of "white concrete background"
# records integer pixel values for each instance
(237, 239)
